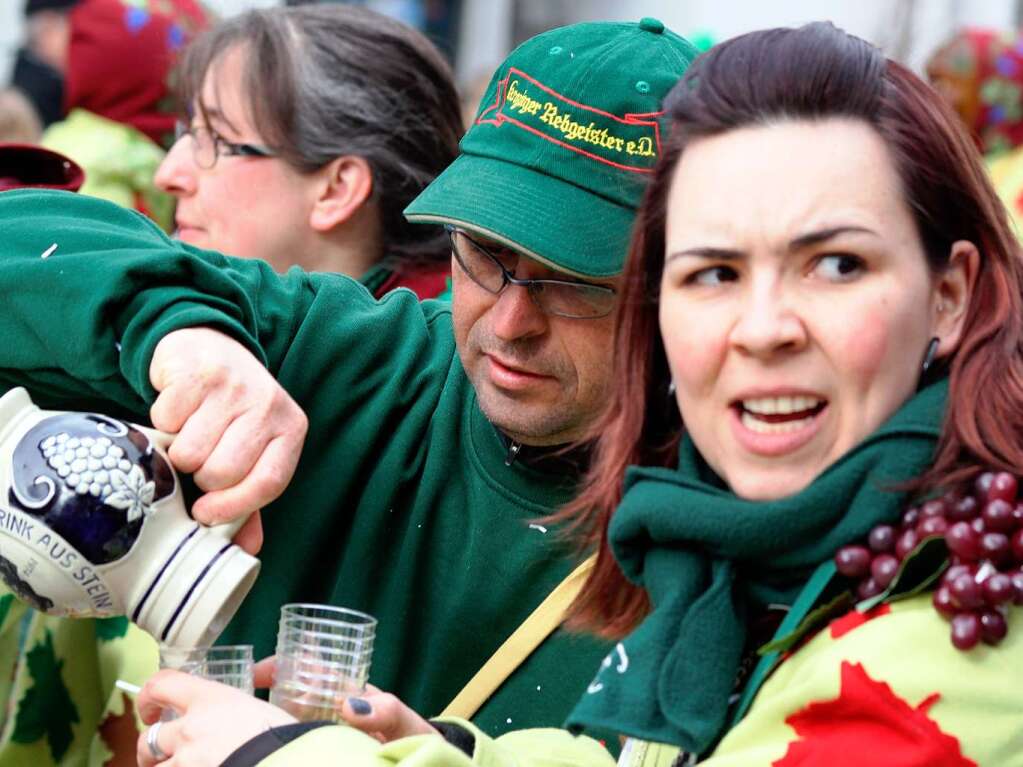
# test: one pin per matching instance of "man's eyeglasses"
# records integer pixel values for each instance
(561, 298)
(208, 145)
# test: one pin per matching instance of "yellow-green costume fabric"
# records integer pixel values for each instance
(886, 687)
(58, 687)
(119, 162)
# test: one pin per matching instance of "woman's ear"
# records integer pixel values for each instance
(346, 185)
(953, 290)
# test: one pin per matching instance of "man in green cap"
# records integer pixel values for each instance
(434, 435)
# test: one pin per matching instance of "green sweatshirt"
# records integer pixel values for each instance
(402, 504)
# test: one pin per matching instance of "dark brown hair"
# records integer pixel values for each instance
(811, 73)
(323, 81)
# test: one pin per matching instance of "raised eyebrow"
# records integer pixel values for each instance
(823, 235)
(709, 253)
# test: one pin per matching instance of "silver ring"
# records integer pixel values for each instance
(154, 747)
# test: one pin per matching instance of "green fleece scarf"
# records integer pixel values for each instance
(708, 559)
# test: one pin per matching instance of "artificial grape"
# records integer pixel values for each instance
(906, 543)
(868, 588)
(977, 523)
(993, 627)
(931, 526)
(963, 541)
(933, 508)
(853, 561)
(1016, 544)
(1017, 584)
(962, 510)
(965, 591)
(911, 517)
(955, 571)
(965, 630)
(998, 516)
(883, 569)
(942, 601)
(998, 589)
(983, 483)
(1017, 514)
(882, 539)
(1002, 487)
(995, 546)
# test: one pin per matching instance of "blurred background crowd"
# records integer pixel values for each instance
(81, 80)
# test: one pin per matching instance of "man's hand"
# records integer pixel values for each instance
(238, 432)
(214, 719)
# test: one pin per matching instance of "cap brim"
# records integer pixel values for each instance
(557, 223)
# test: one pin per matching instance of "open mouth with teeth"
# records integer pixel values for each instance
(779, 415)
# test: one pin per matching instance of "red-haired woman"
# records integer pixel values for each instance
(821, 324)
(824, 322)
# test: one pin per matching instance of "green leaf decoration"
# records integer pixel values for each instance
(919, 570)
(109, 629)
(46, 708)
(5, 606)
(813, 620)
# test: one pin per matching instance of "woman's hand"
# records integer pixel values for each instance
(214, 719)
(238, 431)
(384, 717)
(376, 713)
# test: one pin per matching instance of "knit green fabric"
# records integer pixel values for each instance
(708, 558)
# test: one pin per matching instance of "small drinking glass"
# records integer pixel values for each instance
(323, 657)
(227, 664)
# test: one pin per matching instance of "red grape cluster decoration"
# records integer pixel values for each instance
(983, 530)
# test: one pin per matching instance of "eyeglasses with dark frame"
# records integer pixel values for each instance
(561, 298)
(208, 145)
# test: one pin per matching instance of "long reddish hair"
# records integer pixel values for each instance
(811, 73)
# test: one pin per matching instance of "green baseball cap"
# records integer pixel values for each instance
(563, 143)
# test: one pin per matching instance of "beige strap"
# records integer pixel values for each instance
(509, 656)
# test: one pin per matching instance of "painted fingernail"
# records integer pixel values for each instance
(360, 707)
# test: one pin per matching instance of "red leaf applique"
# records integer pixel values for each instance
(868, 724)
(854, 618)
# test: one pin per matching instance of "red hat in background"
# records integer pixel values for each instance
(25, 166)
(120, 58)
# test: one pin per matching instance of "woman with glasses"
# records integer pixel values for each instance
(310, 129)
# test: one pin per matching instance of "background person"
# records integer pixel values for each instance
(979, 72)
(435, 431)
(826, 345)
(351, 113)
(116, 58)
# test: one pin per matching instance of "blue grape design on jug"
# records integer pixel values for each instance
(91, 479)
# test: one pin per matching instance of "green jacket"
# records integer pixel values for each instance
(402, 504)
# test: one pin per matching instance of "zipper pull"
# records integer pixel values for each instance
(513, 453)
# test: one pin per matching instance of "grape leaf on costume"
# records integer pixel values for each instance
(5, 605)
(867, 719)
(108, 629)
(46, 708)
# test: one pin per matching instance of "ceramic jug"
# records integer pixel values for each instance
(93, 524)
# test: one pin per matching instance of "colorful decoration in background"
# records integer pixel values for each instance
(980, 73)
